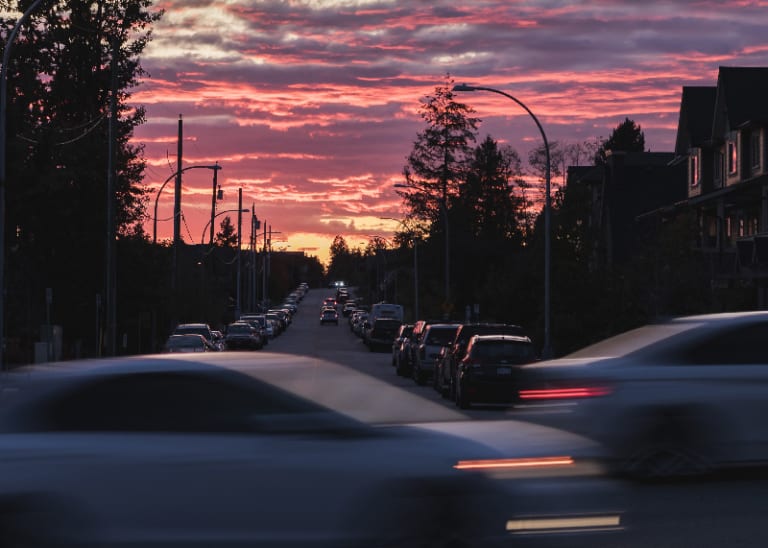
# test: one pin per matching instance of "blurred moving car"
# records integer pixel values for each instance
(489, 371)
(228, 452)
(190, 342)
(243, 336)
(329, 315)
(684, 396)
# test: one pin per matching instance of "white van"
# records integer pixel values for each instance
(386, 310)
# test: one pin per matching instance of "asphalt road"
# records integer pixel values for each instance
(576, 505)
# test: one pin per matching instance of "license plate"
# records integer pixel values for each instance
(503, 370)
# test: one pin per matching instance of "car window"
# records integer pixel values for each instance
(440, 337)
(508, 351)
(734, 346)
(167, 402)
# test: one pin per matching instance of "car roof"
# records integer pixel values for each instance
(658, 337)
(479, 339)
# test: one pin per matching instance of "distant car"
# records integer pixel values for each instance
(260, 322)
(425, 357)
(218, 339)
(329, 315)
(229, 452)
(445, 372)
(190, 342)
(242, 335)
(195, 328)
(489, 371)
(381, 334)
(397, 344)
(679, 397)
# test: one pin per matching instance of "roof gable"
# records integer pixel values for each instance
(741, 93)
(697, 111)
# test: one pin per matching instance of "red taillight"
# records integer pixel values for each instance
(565, 393)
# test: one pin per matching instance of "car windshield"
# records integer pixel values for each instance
(239, 330)
(504, 351)
(440, 336)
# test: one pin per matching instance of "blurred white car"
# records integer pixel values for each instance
(686, 396)
(217, 450)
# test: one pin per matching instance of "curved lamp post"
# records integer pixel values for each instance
(243, 210)
(547, 349)
(215, 169)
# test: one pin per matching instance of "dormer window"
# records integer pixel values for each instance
(732, 158)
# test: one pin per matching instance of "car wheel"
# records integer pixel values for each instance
(670, 446)
(438, 513)
(462, 399)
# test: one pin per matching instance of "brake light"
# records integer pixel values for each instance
(565, 393)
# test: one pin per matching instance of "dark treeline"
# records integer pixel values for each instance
(474, 192)
(67, 63)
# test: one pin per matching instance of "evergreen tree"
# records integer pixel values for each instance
(227, 236)
(627, 137)
(438, 162)
(60, 82)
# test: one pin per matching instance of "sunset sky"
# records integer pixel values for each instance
(312, 106)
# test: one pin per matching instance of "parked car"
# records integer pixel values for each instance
(260, 322)
(329, 315)
(381, 334)
(445, 373)
(189, 342)
(397, 344)
(195, 328)
(227, 452)
(425, 357)
(680, 397)
(242, 335)
(218, 339)
(489, 370)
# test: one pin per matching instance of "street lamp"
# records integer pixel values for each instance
(547, 348)
(215, 169)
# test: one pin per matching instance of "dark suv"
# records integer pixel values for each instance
(444, 380)
(489, 370)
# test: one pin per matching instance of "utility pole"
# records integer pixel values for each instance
(265, 261)
(177, 204)
(110, 275)
(213, 199)
(239, 245)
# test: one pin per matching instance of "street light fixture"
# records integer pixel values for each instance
(547, 348)
(243, 210)
(215, 167)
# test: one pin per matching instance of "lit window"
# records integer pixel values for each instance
(754, 149)
(693, 169)
(732, 158)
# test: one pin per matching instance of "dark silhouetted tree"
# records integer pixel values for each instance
(627, 137)
(227, 236)
(437, 164)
